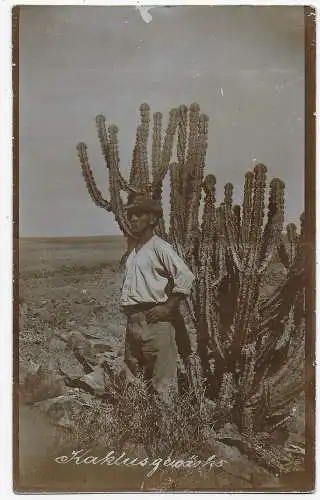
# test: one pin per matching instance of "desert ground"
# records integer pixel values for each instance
(70, 322)
(66, 283)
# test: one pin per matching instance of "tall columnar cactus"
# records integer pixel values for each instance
(139, 181)
(250, 344)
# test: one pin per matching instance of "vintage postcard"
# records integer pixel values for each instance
(164, 248)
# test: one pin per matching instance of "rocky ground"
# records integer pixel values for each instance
(72, 377)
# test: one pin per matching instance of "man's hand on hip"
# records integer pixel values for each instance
(158, 313)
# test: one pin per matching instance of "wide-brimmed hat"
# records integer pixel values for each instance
(145, 205)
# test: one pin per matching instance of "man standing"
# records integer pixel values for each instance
(151, 266)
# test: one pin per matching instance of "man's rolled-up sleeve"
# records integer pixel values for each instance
(179, 272)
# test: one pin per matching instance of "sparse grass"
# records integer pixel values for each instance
(140, 420)
(143, 427)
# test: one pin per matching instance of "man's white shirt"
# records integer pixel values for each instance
(149, 270)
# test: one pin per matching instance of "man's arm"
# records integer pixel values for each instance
(164, 311)
(180, 275)
(174, 300)
(182, 279)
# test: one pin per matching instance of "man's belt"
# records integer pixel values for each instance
(142, 307)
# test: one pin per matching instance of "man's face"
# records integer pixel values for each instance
(140, 221)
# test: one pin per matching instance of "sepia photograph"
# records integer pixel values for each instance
(163, 248)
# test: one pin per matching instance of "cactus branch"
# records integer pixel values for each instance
(94, 192)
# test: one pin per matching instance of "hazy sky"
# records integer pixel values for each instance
(243, 65)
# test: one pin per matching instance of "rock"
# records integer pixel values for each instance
(27, 367)
(95, 381)
(61, 410)
(106, 380)
(117, 369)
(57, 344)
(111, 362)
(82, 349)
(65, 359)
(87, 400)
(91, 332)
(110, 336)
(41, 384)
(76, 339)
(235, 463)
(100, 346)
(115, 330)
(33, 368)
(57, 348)
(73, 391)
(126, 376)
(229, 430)
(279, 436)
(70, 367)
(61, 335)
(65, 422)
